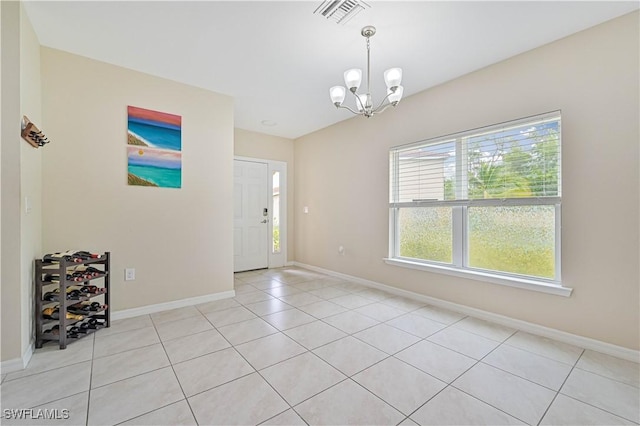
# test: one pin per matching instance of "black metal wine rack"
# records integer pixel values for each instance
(61, 268)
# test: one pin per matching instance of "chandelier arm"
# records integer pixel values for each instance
(346, 107)
(377, 109)
(380, 111)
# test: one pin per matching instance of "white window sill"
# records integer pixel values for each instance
(484, 276)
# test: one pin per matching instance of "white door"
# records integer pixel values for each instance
(251, 216)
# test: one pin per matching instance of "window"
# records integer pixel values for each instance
(275, 208)
(485, 201)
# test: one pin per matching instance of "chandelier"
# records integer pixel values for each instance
(353, 78)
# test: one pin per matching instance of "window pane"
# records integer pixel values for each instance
(426, 233)
(423, 173)
(519, 161)
(275, 247)
(515, 239)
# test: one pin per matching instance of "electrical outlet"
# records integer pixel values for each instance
(130, 274)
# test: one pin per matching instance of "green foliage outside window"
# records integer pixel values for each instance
(276, 239)
(517, 239)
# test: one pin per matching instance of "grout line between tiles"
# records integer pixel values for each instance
(560, 388)
(126, 350)
(258, 372)
(144, 414)
(376, 396)
(50, 402)
(275, 390)
(451, 384)
(130, 377)
(506, 342)
(43, 371)
(113, 333)
(478, 334)
(597, 408)
(575, 366)
(93, 352)
(606, 377)
(175, 375)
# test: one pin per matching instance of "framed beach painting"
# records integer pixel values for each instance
(154, 148)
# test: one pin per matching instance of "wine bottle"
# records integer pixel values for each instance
(55, 330)
(94, 272)
(51, 296)
(79, 308)
(98, 308)
(81, 254)
(86, 254)
(74, 295)
(95, 323)
(83, 271)
(95, 306)
(69, 289)
(93, 289)
(80, 276)
(77, 330)
(86, 305)
(55, 278)
(91, 323)
(54, 296)
(54, 313)
(57, 257)
(84, 327)
(70, 253)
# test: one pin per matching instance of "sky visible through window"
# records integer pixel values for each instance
(489, 142)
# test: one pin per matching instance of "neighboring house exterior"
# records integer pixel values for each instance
(413, 167)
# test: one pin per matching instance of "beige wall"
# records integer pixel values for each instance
(10, 177)
(341, 174)
(30, 173)
(21, 177)
(177, 239)
(266, 147)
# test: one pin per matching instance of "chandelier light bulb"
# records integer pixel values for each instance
(362, 102)
(394, 97)
(337, 94)
(353, 78)
(393, 77)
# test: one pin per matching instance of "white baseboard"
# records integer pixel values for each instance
(551, 333)
(150, 309)
(17, 364)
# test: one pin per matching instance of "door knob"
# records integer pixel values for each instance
(264, 221)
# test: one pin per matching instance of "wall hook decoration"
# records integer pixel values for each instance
(32, 134)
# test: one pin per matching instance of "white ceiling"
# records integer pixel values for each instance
(278, 59)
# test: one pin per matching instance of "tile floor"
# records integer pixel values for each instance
(297, 347)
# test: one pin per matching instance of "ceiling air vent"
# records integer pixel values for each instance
(340, 11)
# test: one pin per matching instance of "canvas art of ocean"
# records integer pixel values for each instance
(154, 148)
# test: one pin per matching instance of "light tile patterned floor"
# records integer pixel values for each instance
(297, 347)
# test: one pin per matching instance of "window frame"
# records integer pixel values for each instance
(460, 218)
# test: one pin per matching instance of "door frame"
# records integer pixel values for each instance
(275, 260)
